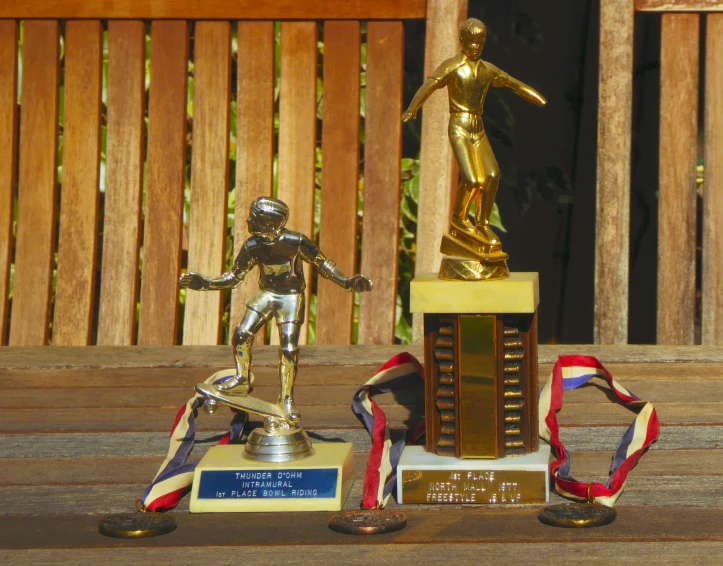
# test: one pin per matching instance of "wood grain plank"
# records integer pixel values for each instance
(384, 552)
(659, 362)
(712, 256)
(78, 471)
(312, 391)
(339, 177)
(54, 444)
(116, 470)
(209, 177)
(254, 141)
(495, 530)
(79, 197)
(678, 6)
(677, 205)
(217, 9)
(8, 160)
(631, 353)
(382, 159)
(318, 386)
(190, 356)
(175, 396)
(653, 371)
(297, 134)
(95, 419)
(654, 381)
(655, 463)
(166, 180)
(437, 178)
(132, 444)
(35, 244)
(160, 419)
(124, 183)
(665, 492)
(612, 245)
(97, 471)
(185, 379)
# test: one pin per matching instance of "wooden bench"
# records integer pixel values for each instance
(85, 429)
(140, 213)
(677, 206)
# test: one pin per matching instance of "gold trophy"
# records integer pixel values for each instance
(278, 469)
(475, 250)
(480, 322)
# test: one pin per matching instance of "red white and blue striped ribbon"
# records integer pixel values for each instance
(571, 372)
(175, 476)
(402, 371)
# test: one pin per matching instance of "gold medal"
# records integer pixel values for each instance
(571, 372)
(577, 515)
(367, 522)
(137, 525)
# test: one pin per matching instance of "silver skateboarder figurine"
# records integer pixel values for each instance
(280, 254)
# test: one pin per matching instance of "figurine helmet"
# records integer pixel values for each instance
(267, 215)
(472, 30)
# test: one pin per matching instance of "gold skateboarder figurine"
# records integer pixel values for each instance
(279, 254)
(468, 78)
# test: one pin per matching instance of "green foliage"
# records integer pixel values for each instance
(407, 247)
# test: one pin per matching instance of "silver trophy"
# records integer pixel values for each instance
(279, 254)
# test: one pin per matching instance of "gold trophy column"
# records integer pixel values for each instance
(481, 394)
(480, 364)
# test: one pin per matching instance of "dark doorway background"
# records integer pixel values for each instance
(548, 155)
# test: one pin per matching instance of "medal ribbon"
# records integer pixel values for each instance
(571, 372)
(402, 371)
(175, 476)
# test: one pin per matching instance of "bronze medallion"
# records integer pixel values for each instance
(137, 525)
(577, 515)
(367, 522)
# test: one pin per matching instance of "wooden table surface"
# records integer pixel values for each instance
(83, 431)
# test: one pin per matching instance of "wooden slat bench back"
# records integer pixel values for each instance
(102, 267)
(678, 158)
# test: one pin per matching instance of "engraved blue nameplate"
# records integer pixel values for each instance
(309, 483)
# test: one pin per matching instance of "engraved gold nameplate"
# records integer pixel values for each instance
(428, 478)
(478, 387)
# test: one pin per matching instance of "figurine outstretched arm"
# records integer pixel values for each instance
(437, 80)
(518, 87)
(329, 270)
(429, 86)
(241, 266)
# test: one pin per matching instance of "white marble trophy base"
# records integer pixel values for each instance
(225, 481)
(424, 477)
